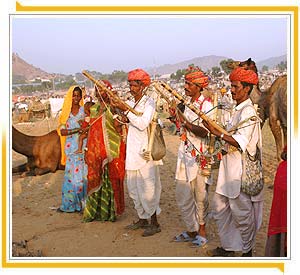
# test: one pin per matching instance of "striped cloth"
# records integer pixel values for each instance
(106, 170)
(100, 205)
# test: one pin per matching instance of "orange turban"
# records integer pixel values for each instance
(196, 76)
(139, 74)
(243, 75)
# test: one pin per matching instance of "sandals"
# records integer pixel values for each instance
(182, 238)
(199, 241)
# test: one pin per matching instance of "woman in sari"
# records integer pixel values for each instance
(105, 158)
(74, 185)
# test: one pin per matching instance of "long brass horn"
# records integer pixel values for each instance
(190, 106)
(110, 93)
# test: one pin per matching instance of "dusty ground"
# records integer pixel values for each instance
(38, 230)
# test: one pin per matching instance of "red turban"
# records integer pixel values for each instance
(139, 74)
(107, 84)
(196, 76)
(243, 75)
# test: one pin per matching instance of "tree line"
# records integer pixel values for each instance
(216, 71)
(117, 76)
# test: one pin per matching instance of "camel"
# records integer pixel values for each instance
(272, 104)
(42, 152)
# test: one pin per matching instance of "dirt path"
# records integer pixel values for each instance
(53, 234)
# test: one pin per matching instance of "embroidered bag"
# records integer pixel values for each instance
(252, 176)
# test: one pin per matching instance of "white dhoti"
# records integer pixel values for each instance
(144, 187)
(238, 221)
(192, 200)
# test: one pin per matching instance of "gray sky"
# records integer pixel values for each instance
(68, 45)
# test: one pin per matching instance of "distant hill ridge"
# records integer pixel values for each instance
(23, 70)
(205, 63)
(272, 62)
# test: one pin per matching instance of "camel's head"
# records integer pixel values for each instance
(248, 64)
(233, 64)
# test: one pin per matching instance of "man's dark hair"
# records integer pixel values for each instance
(198, 85)
(245, 84)
(140, 82)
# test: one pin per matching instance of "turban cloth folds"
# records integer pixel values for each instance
(141, 75)
(243, 75)
(196, 76)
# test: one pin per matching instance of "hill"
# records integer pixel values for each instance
(205, 63)
(23, 71)
(271, 62)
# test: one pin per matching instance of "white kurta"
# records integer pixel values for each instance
(238, 215)
(247, 136)
(137, 138)
(191, 191)
(142, 177)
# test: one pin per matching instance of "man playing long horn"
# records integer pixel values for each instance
(143, 180)
(237, 214)
(191, 182)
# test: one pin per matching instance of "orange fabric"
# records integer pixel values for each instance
(223, 91)
(139, 74)
(243, 75)
(65, 113)
(195, 75)
(95, 156)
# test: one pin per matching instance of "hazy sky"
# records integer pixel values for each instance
(68, 44)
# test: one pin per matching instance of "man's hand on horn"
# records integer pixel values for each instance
(118, 104)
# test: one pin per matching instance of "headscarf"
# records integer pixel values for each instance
(243, 75)
(141, 75)
(107, 84)
(65, 113)
(195, 75)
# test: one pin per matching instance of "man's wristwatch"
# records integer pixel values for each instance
(221, 136)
